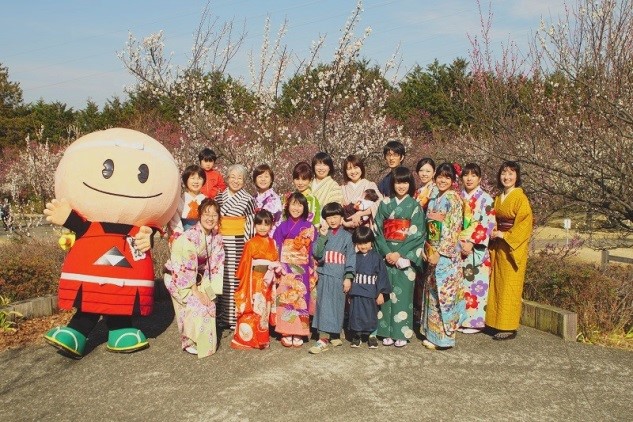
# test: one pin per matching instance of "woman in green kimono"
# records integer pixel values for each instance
(400, 233)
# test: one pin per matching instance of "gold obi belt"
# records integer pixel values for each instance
(505, 224)
(261, 265)
(396, 229)
(232, 226)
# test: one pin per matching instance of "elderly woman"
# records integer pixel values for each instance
(238, 209)
(193, 276)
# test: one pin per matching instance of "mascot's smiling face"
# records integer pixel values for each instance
(119, 176)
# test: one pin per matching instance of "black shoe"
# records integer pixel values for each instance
(505, 335)
(372, 342)
(356, 342)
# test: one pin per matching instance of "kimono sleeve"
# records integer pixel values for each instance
(350, 258)
(279, 236)
(381, 215)
(484, 221)
(315, 206)
(319, 246)
(521, 230)
(174, 225)
(249, 213)
(411, 248)
(245, 267)
(336, 193)
(184, 264)
(382, 282)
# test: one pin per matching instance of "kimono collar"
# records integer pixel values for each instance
(399, 201)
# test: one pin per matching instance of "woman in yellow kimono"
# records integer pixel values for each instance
(508, 253)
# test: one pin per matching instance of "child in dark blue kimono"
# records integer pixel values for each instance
(370, 289)
(336, 261)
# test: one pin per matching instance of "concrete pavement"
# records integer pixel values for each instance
(535, 377)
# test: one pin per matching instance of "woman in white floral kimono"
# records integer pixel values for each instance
(193, 276)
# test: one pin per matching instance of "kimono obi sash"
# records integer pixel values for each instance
(334, 257)
(232, 226)
(365, 279)
(505, 224)
(261, 265)
(434, 226)
(396, 229)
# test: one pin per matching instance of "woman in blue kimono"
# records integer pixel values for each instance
(443, 292)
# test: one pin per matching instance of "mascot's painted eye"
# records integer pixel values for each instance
(108, 168)
(143, 173)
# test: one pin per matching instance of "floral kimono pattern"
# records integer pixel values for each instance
(270, 201)
(253, 297)
(443, 293)
(195, 253)
(479, 222)
(294, 240)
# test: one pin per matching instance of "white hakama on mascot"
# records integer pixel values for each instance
(114, 189)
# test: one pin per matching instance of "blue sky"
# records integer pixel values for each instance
(67, 50)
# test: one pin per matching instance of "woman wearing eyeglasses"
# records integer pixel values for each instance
(193, 276)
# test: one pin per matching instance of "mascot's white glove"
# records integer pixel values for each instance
(143, 239)
(57, 211)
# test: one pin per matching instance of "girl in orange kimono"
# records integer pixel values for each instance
(254, 295)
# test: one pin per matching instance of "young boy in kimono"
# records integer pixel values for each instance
(336, 257)
(370, 289)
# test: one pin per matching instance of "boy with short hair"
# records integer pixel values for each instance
(370, 289)
(336, 257)
(394, 153)
(214, 181)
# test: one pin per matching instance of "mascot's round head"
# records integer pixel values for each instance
(119, 176)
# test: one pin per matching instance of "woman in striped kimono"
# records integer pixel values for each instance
(237, 208)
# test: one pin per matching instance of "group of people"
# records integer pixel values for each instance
(375, 260)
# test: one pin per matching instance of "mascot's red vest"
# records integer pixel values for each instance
(110, 274)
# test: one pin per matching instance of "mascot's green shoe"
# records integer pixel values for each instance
(126, 340)
(67, 339)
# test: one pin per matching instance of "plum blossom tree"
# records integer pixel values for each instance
(565, 111)
(330, 112)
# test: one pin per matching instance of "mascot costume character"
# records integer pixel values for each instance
(114, 189)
